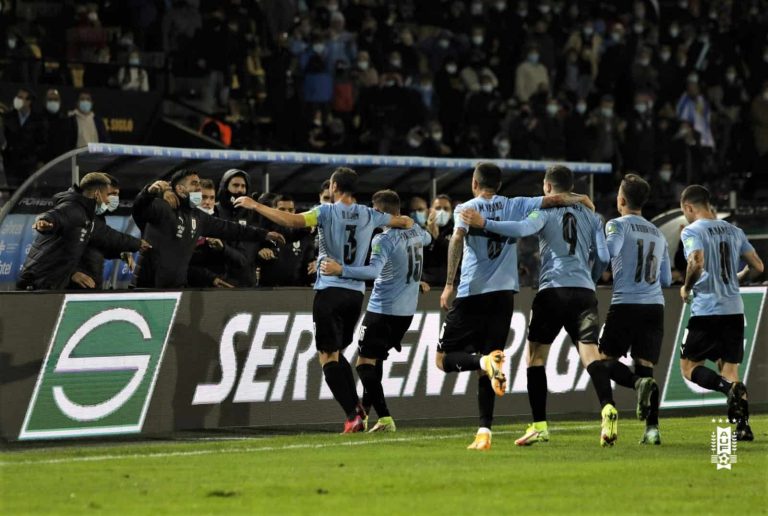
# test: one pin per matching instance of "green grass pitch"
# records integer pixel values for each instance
(414, 471)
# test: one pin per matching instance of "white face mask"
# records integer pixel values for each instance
(11, 43)
(101, 207)
(318, 47)
(363, 65)
(53, 106)
(487, 87)
(503, 147)
(195, 198)
(665, 175)
(552, 109)
(209, 211)
(641, 107)
(113, 201)
(607, 112)
(581, 108)
(442, 217)
(478, 40)
(18, 103)
(665, 56)
(451, 68)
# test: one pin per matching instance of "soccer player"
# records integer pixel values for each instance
(635, 321)
(716, 327)
(345, 230)
(475, 330)
(573, 255)
(397, 259)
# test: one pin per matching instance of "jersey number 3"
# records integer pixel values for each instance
(350, 247)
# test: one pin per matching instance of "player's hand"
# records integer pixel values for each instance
(128, 259)
(685, 295)
(743, 273)
(275, 237)
(330, 267)
(445, 297)
(267, 254)
(472, 218)
(171, 198)
(83, 280)
(42, 226)
(144, 246)
(215, 244)
(220, 283)
(407, 220)
(245, 202)
(159, 186)
(312, 267)
(424, 287)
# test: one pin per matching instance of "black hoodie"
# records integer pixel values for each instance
(54, 255)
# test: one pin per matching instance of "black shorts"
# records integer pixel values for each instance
(715, 337)
(639, 328)
(335, 312)
(478, 324)
(380, 332)
(574, 309)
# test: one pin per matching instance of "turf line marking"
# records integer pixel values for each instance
(193, 453)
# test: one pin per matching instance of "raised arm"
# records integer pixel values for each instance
(283, 218)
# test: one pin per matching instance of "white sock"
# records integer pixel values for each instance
(484, 430)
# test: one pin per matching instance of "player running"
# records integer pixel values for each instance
(345, 230)
(635, 320)
(716, 327)
(475, 330)
(573, 255)
(397, 258)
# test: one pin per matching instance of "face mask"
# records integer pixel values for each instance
(607, 112)
(487, 88)
(765, 95)
(476, 9)
(665, 175)
(533, 58)
(437, 136)
(414, 142)
(85, 106)
(396, 63)
(503, 147)
(552, 109)
(444, 43)
(451, 68)
(588, 31)
(93, 16)
(683, 4)
(420, 217)
(318, 47)
(442, 218)
(638, 27)
(11, 43)
(616, 36)
(209, 211)
(134, 61)
(195, 198)
(581, 108)
(544, 9)
(363, 65)
(674, 31)
(665, 56)
(501, 6)
(641, 108)
(644, 62)
(730, 77)
(101, 207)
(478, 40)
(53, 106)
(113, 201)
(18, 103)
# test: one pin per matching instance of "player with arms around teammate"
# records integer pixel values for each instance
(635, 321)
(475, 330)
(397, 258)
(345, 230)
(716, 327)
(573, 255)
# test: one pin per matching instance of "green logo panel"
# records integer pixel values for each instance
(678, 392)
(101, 366)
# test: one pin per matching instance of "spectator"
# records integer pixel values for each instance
(552, 132)
(606, 129)
(614, 65)
(56, 125)
(587, 45)
(531, 77)
(289, 265)
(109, 245)
(483, 108)
(84, 125)
(64, 232)
(25, 139)
(644, 75)
(168, 217)
(365, 74)
(133, 77)
(694, 109)
(417, 210)
(759, 118)
(576, 141)
(440, 226)
(640, 138)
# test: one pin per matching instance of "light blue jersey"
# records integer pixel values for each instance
(639, 261)
(397, 260)
(344, 234)
(571, 245)
(489, 263)
(717, 290)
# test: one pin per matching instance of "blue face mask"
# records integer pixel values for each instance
(101, 207)
(420, 217)
(85, 106)
(113, 201)
(195, 198)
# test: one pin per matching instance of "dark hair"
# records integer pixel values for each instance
(29, 92)
(268, 199)
(636, 191)
(696, 195)
(207, 184)
(325, 186)
(388, 200)
(284, 198)
(561, 178)
(93, 181)
(488, 176)
(180, 175)
(445, 197)
(113, 180)
(345, 179)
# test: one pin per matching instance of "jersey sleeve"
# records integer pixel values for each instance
(457, 222)
(531, 225)
(614, 236)
(317, 216)
(745, 246)
(381, 248)
(691, 240)
(379, 219)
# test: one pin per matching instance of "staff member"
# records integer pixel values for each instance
(169, 219)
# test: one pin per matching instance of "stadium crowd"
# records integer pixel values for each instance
(670, 90)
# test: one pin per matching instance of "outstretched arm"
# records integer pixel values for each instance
(566, 199)
(515, 229)
(290, 220)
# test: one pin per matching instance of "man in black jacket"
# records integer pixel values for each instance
(65, 232)
(288, 265)
(169, 219)
(110, 245)
(25, 136)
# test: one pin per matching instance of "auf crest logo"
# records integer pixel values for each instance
(100, 370)
(723, 446)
